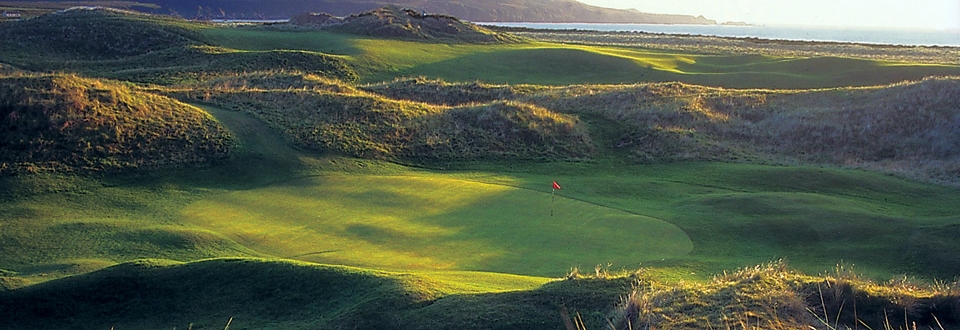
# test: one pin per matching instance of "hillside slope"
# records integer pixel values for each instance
(65, 122)
(908, 128)
(329, 115)
(141, 48)
(274, 294)
(265, 294)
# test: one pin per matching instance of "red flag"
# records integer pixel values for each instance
(556, 186)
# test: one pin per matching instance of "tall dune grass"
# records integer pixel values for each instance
(68, 122)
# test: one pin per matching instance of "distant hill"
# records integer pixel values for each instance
(397, 22)
(471, 10)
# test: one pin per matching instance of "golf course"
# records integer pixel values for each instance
(160, 173)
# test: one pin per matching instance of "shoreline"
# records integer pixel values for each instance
(715, 45)
(855, 35)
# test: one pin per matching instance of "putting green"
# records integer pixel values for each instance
(432, 222)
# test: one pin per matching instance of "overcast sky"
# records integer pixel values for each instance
(924, 14)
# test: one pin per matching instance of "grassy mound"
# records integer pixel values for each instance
(906, 128)
(142, 48)
(101, 34)
(329, 115)
(396, 22)
(68, 122)
(266, 294)
(280, 294)
(770, 296)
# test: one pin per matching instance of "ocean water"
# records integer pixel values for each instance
(887, 36)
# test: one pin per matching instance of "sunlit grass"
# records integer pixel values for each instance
(434, 222)
(460, 282)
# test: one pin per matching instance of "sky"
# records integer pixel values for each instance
(900, 14)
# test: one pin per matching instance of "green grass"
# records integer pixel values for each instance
(254, 39)
(560, 64)
(434, 222)
(263, 294)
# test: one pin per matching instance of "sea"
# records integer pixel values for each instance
(884, 36)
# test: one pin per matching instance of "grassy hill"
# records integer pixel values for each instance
(326, 115)
(254, 294)
(398, 23)
(141, 48)
(64, 122)
(906, 128)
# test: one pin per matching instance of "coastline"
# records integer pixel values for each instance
(703, 44)
(871, 36)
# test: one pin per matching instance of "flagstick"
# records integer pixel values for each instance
(553, 194)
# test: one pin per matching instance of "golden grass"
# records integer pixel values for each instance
(66, 122)
(771, 296)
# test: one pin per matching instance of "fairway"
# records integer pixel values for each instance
(377, 60)
(434, 222)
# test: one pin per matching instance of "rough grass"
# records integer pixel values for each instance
(142, 48)
(326, 115)
(771, 296)
(907, 128)
(64, 122)
(93, 35)
(274, 294)
(396, 22)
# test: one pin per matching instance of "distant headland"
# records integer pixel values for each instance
(534, 11)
